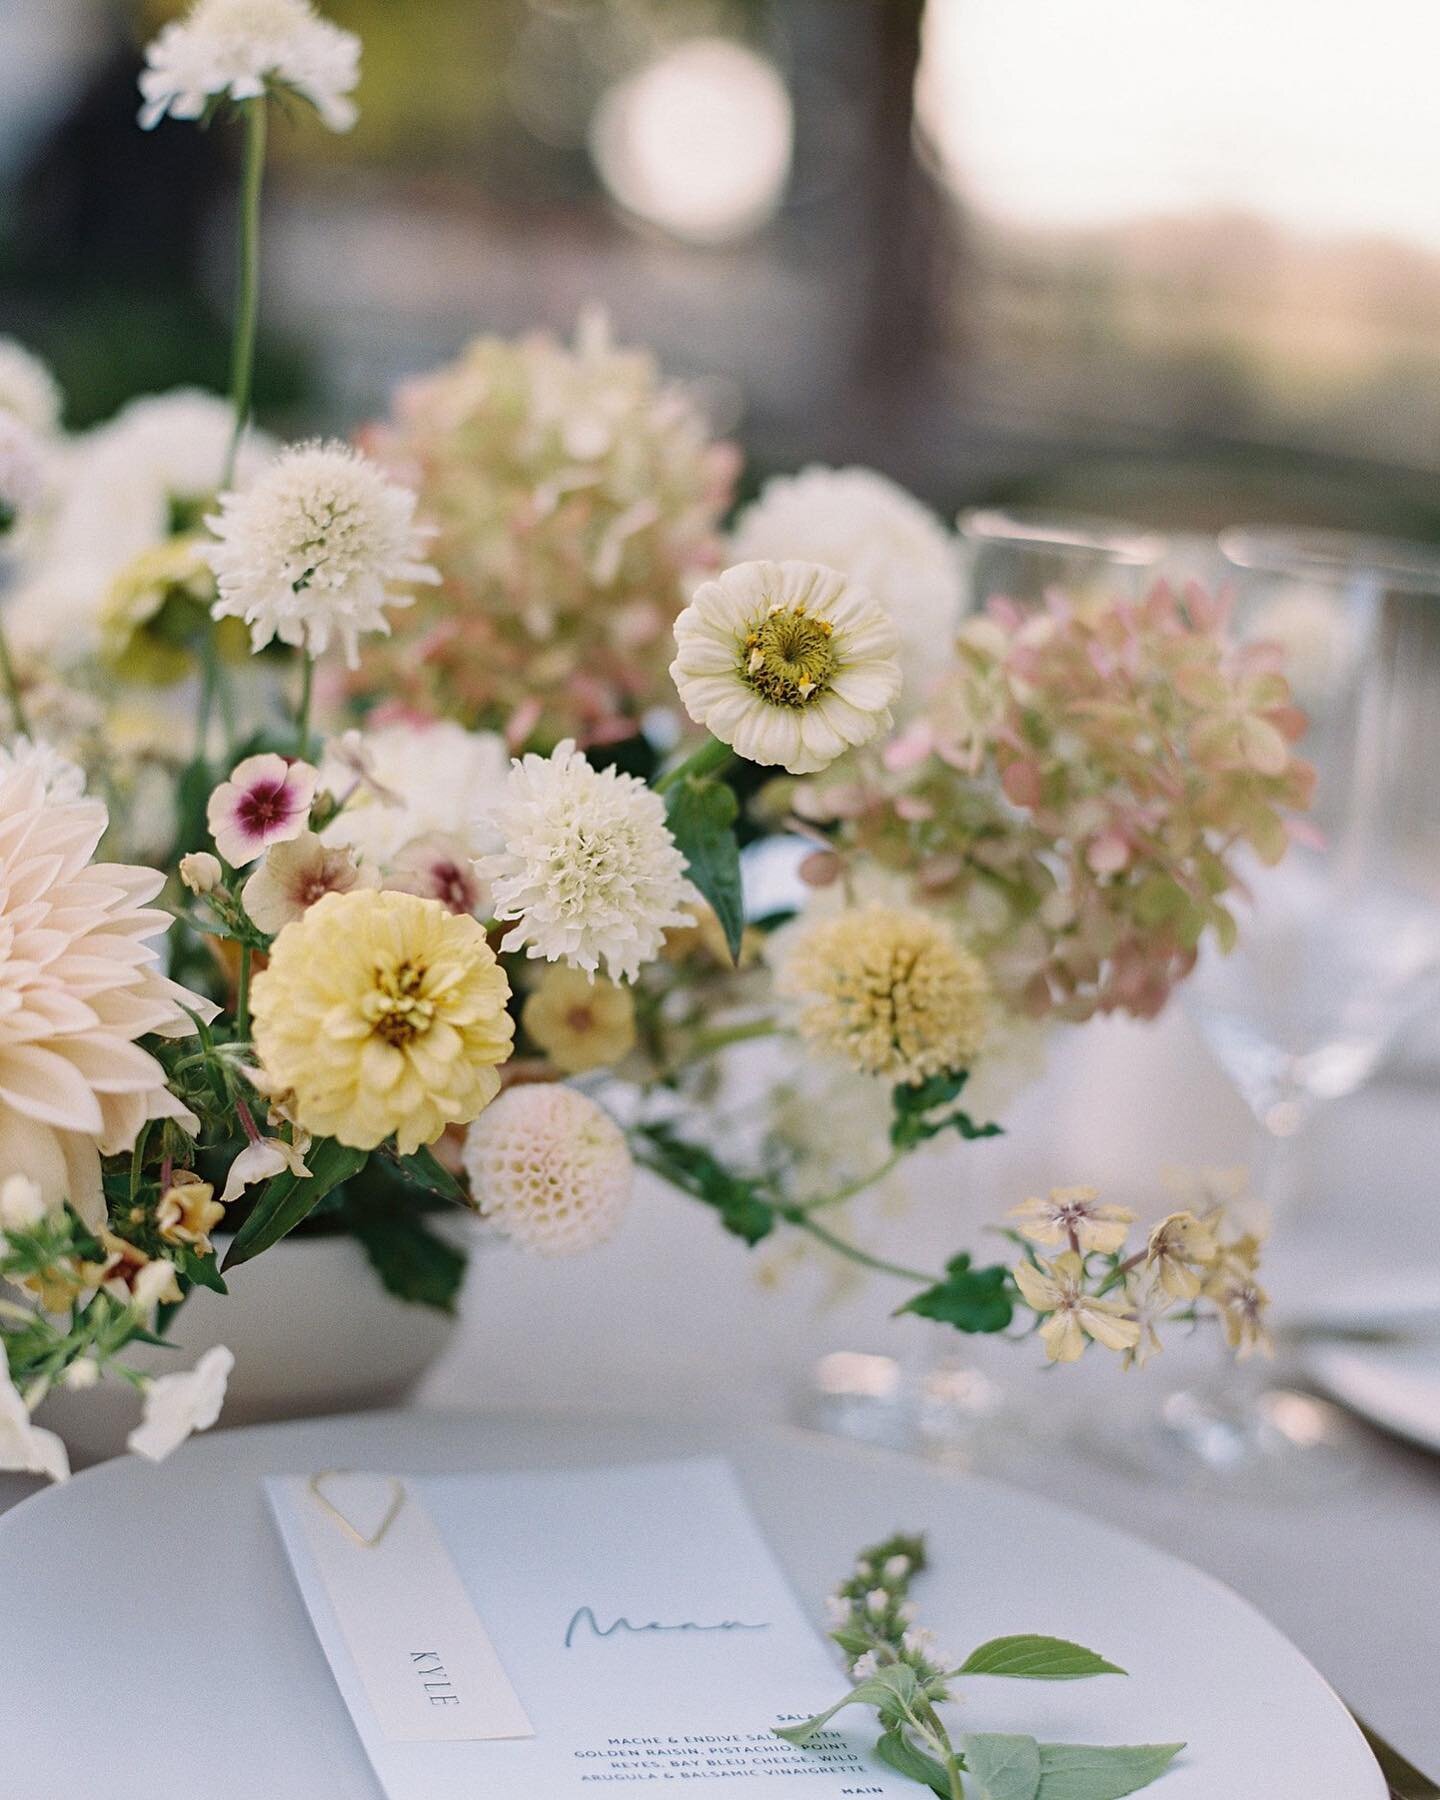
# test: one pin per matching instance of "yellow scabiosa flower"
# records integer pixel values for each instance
(382, 1012)
(579, 1023)
(889, 990)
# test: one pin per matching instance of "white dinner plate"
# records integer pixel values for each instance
(1396, 1386)
(152, 1643)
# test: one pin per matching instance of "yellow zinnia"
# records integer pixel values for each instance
(382, 1012)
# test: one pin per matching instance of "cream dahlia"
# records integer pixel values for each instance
(787, 662)
(590, 871)
(79, 984)
(549, 1169)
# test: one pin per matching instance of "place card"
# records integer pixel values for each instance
(568, 1633)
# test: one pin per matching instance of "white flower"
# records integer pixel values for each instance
(153, 1285)
(896, 1568)
(317, 548)
(589, 868)
(80, 983)
(23, 1446)
(241, 48)
(409, 782)
(549, 1169)
(293, 876)
(877, 1602)
(82, 1374)
(122, 490)
(838, 1608)
(22, 473)
(28, 389)
(788, 663)
(865, 1665)
(266, 800)
(871, 530)
(22, 1205)
(63, 779)
(176, 1405)
(201, 872)
(259, 1161)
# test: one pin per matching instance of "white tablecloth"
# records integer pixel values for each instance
(672, 1319)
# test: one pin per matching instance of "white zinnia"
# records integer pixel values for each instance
(317, 548)
(787, 662)
(589, 869)
(176, 1405)
(23, 1446)
(240, 48)
(866, 526)
(420, 781)
(80, 983)
(549, 1169)
(28, 389)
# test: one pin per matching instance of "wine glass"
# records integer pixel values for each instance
(1022, 554)
(1339, 945)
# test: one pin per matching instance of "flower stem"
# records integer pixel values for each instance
(242, 996)
(852, 1188)
(302, 714)
(247, 305)
(793, 1215)
(711, 756)
(12, 686)
(706, 1043)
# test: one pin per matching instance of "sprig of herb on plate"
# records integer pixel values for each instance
(898, 1669)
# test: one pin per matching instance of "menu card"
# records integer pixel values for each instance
(561, 1634)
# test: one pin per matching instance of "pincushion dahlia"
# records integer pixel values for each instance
(80, 983)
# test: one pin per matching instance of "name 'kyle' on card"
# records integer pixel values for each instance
(565, 1633)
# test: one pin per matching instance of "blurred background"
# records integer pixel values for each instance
(1179, 262)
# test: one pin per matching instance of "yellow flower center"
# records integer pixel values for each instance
(396, 1007)
(789, 658)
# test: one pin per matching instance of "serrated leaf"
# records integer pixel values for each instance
(976, 1300)
(701, 814)
(889, 1688)
(1028, 1657)
(896, 1749)
(289, 1198)
(1101, 1771)
(999, 1766)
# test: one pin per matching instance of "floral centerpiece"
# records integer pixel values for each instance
(464, 948)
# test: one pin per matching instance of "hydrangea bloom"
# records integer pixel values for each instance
(576, 496)
(242, 48)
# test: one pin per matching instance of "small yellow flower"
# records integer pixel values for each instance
(1058, 1288)
(1179, 1248)
(1071, 1216)
(1243, 1304)
(580, 1024)
(188, 1212)
(156, 611)
(890, 990)
(380, 1013)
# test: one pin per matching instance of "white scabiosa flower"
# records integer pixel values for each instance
(866, 526)
(549, 1169)
(787, 662)
(316, 549)
(28, 389)
(589, 871)
(244, 48)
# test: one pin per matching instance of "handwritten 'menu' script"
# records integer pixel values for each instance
(584, 1619)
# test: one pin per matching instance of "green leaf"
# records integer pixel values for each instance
(999, 1766)
(1100, 1771)
(204, 1271)
(290, 1198)
(425, 1170)
(913, 1121)
(969, 1299)
(702, 814)
(411, 1260)
(906, 1759)
(1034, 1658)
(697, 1171)
(890, 1688)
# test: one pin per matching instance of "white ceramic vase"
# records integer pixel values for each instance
(312, 1330)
